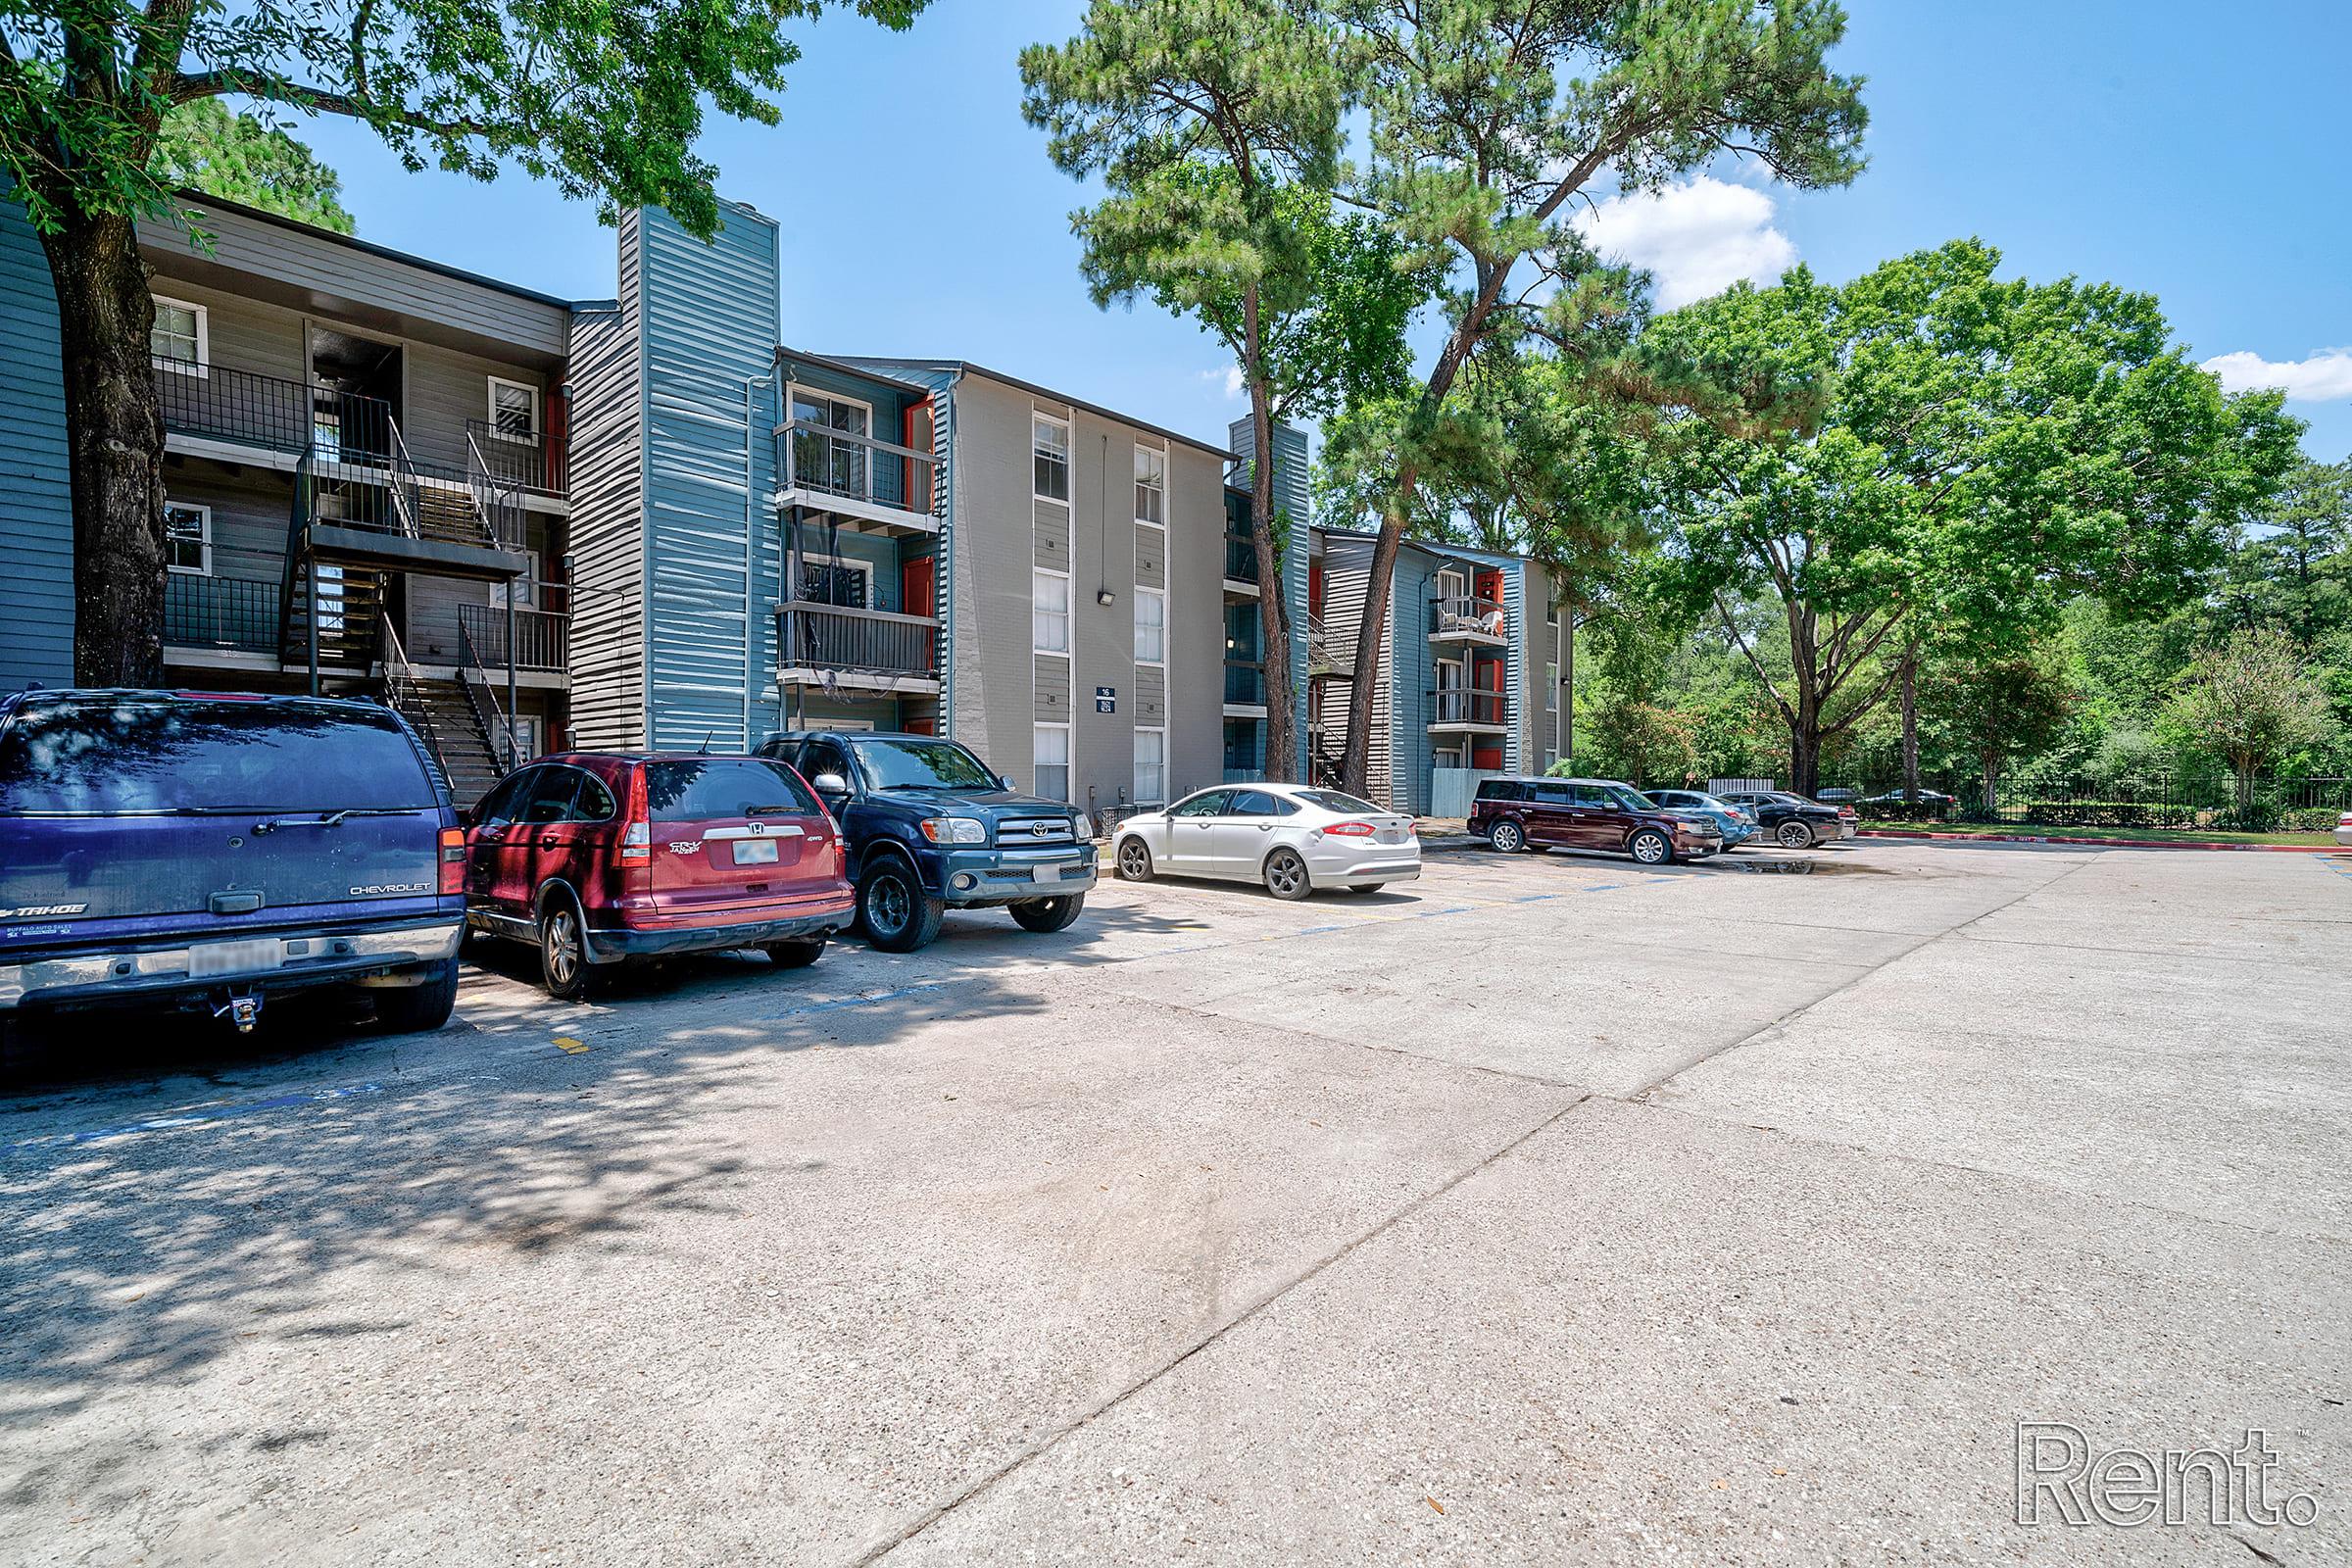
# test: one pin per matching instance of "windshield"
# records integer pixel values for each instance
(194, 755)
(902, 764)
(1630, 800)
(1334, 800)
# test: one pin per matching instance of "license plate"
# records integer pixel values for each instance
(1389, 835)
(233, 957)
(1047, 873)
(754, 852)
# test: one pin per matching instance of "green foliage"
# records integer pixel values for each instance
(205, 147)
(603, 99)
(2251, 702)
(2293, 566)
(2000, 707)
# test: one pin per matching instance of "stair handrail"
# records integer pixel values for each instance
(495, 721)
(490, 498)
(404, 482)
(296, 546)
(400, 682)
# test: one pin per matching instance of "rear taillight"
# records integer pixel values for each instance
(452, 860)
(1348, 830)
(637, 839)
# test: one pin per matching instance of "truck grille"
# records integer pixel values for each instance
(1023, 832)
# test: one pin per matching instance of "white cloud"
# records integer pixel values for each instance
(1231, 375)
(1697, 237)
(2325, 377)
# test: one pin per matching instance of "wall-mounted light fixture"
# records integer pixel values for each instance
(1105, 598)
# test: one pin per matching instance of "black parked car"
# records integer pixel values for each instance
(1791, 820)
(930, 827)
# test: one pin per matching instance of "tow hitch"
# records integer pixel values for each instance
(242, 1010)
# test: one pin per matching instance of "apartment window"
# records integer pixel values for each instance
(1050, 607)
(513, 411)
(1150, 626)
(1150, 764)
(1551, 686)
(1053, 762)
(182, 337)
(188, 539)
(1049, 439)
(1152, 486)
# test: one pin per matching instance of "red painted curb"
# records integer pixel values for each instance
(2113, 844)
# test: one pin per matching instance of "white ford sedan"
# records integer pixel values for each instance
(1290, 837)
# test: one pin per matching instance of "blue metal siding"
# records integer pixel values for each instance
(1514, 659)
(710, 332)
(36, 495)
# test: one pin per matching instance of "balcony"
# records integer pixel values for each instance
(1467, 618)
(239, 408)
(1466, 710)
(530, 462)
(1245, 684)
(888, 487)
(1241, 563)
(542, 637)
(865, 650)
(221, 615)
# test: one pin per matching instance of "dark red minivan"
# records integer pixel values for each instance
(599, 858)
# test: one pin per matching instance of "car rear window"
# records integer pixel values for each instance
(1334, 800)
(1492, 789)
(703, 790)
(146, 756)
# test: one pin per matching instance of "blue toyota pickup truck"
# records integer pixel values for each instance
(207, 851)
(930, 828)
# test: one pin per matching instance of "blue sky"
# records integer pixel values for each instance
(2149, 144)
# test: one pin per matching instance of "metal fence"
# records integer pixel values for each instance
(2150, 800)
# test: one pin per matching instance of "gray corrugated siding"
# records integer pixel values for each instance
(36, 494)
(1347, 572)
(1052, 529)
(1053, 689)
(1151, 697)
(1150, 558)
(709, 326)
(608, 499)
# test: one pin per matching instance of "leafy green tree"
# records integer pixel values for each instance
(2000, 708)
(203, 146)
(605, 100)
(2293, 564)
(1487, 118)
(1973, 453)
(2250, 703)
(1215, 127)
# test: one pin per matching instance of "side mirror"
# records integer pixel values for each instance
(1004, 782)
(830, 784)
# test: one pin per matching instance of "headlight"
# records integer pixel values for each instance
(1084, 827)
(954, 830)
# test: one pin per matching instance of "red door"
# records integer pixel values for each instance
(919, 584)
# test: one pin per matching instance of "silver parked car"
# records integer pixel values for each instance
(1290, 837)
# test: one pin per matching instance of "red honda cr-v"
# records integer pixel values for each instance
(599, 858)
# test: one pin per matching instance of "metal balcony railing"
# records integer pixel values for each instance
(220, 403)
(531, 461)
(817, 457)
(1245, 683)
(542, 637)
(1241, 558)
(220, 612)
(1467, 616)
(1466, 705)
(844, 637)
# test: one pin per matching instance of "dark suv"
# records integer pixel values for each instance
(206, 851)
(930, 827)
(1587, 814)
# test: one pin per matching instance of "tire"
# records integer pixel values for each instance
(796, 955)
(1507, 837)
(1794, 834)
(1284, 876)
(1651, 847)
(1135, 860)
(1046, 916)
(411, 1009)
(564, 967)
(895, 910)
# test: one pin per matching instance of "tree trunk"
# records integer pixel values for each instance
(1355, 759)
(116, 450)
(1804, 723)
(1992, 779)
(1911, 724)
(1273, 613)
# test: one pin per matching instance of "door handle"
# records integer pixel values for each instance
(549, 841)
(1265, 827)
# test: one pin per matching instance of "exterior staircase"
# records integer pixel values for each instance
(351, 614)
(443, 714)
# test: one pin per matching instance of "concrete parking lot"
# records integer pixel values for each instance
(1549, 1210)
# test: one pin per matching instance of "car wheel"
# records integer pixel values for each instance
(1286, 875)
(1049, 915)
(1792, 835)
(1508, 837)
(796, 955)
(895, 910)
(411, 1010)
(1135, 860)
(1651, 847)
(564, 967)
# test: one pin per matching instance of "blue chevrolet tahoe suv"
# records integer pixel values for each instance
(206, 851)
(930, 828)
